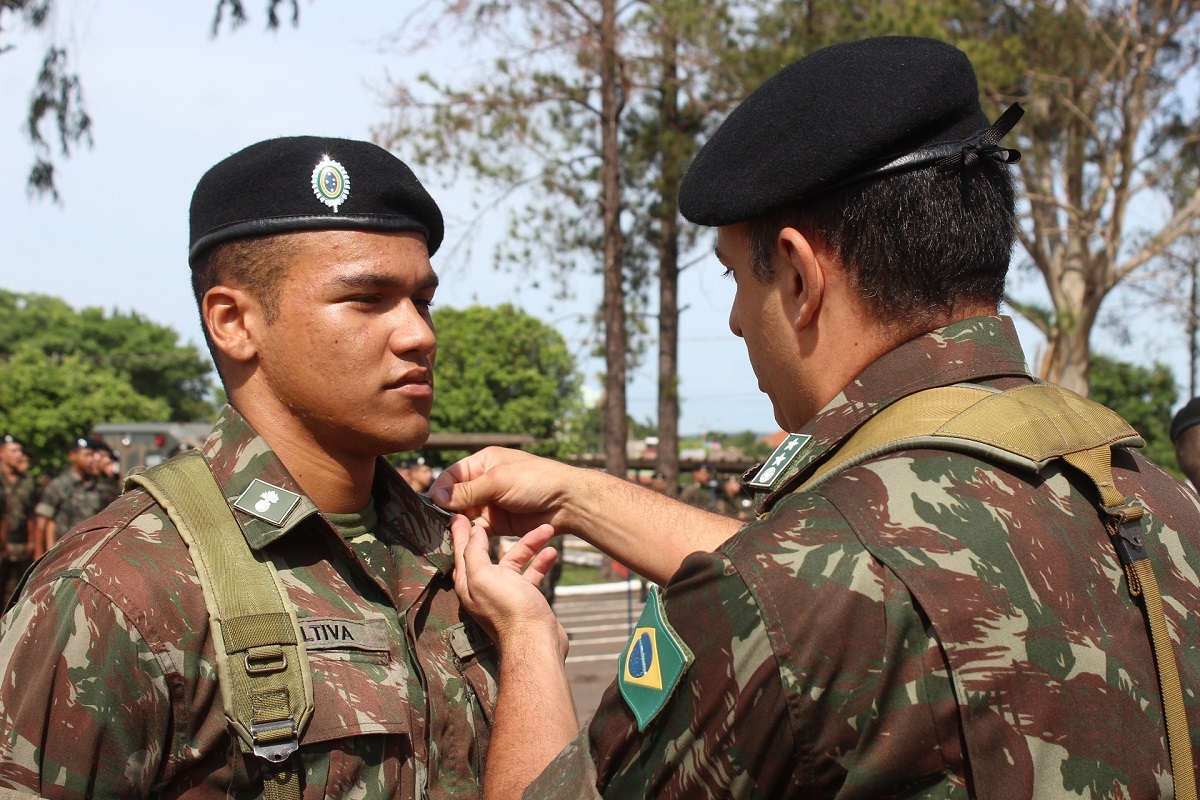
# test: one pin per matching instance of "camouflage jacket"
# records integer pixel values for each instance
(19, 499)
(69, 499)
(111, 685)
(925, 624)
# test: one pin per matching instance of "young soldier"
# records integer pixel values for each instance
(949, 593)
(19, 496)
(310, 264)
(72, 496)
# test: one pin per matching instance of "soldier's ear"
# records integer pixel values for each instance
(232, 316)
(803, 277)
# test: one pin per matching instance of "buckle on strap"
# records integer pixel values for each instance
(275, 751)
(1125, 528)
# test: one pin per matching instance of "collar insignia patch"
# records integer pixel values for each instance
(652, 664)
(268, 503)
(330, 183)
(784, 455)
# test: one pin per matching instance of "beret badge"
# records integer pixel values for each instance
(330, 183)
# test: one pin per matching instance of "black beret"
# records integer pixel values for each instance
(79, 443)
(836, 115)
(305, 183)
(1185, 417)
(8, 438)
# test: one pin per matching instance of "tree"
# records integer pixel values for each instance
(58, 92)
(680, 87)
(1109, 111)
(143, 354)
(47, 400)
(546, 115)
(1108, 87)
(600, 106)
(500, 370)
(1144, 397)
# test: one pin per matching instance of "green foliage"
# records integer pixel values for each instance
(64, 371)
(49, 399)
(500, 370)
(1144, 397)
(142, 353)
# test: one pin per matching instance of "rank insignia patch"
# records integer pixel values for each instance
(652, 663)
(784, 455)
(267, 502)
(330, 183)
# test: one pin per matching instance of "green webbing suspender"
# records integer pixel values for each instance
(266, 684)
(1028, 427)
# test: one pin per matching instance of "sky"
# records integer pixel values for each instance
(168, 101)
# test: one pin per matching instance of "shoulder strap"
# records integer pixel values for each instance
(1027, 428)
(266, 683)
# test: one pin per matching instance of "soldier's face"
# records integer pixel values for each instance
(10, 455)
(82, 460)
(758, 315)
(350, 353)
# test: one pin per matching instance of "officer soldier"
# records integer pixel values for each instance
(333, 659)
(950, 588)
(71, 496)
(18, 496)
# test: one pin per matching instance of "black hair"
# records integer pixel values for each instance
(917, 244)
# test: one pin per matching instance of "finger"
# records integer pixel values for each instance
(475, 554)
(540, 566)
(527, 546)
(445, 489)
(460, 533)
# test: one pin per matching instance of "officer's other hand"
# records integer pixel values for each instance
(513, 491)
(503, 597)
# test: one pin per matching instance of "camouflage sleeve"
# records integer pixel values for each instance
(724, 728)
(50, 500)
(814, 675)
(71, 730)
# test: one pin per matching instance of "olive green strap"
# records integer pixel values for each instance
(1027, 427)
(1125, 527)
(264, 675)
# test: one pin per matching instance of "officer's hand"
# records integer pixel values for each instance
(512, 491)
(503, 597)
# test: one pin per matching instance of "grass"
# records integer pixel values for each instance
(576, 575)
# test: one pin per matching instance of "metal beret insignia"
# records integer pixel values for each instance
(330, 183)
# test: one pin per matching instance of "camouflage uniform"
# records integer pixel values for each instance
(925, 624)
(69, 499)
(18, 499)
(118, 692)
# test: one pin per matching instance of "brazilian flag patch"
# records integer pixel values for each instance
(652, 663)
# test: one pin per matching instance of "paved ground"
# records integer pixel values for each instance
(599, 626)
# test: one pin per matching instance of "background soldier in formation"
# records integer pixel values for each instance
(733, 500)
(310, 265)
(702, 491)
(74, 495)
(927, 621)
(18, 496)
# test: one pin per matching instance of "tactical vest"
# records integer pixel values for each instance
(1028, 428)
(262, 666)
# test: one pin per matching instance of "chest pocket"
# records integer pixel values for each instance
(360, 685)
(475, 656)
